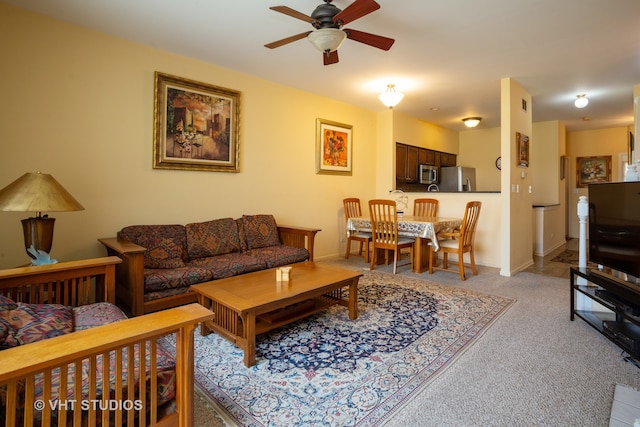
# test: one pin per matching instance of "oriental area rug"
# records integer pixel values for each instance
(327, 370)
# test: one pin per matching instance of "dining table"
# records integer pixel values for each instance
(423, 228)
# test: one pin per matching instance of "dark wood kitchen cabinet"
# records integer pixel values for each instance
(409, 157)
(407, 163)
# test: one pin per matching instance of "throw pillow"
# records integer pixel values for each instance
(261, 231)
(34, 322)
(165, 244)
(7, 303)
(212, 238)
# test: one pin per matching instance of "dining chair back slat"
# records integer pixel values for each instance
(385, 237)
(425, 207)
(459, 241)
(352, 209)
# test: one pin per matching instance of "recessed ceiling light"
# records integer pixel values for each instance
(435, 108)
(586, 118)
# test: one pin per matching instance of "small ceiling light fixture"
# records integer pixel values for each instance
(327, 39)
(581, 101)
(471, 122)
(391, 97)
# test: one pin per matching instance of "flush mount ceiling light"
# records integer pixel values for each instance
(327, 39)
(391, 97)
(581, 101)
(471, 122)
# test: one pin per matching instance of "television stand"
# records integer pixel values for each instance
(618, 317)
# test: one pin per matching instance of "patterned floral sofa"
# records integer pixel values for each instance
(161, 262)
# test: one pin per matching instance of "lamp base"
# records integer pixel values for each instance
(38, 232)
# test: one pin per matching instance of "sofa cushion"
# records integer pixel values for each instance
(260, 231)
(165, 244)
(34, 322)
(211, 238)
(92, 315)
(7, 303)
(279, 255)
(156, 279)
(231, 264)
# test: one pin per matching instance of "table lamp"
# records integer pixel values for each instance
(37, 192)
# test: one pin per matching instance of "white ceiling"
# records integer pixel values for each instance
(448, 54)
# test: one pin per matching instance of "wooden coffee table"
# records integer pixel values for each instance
(250, 304)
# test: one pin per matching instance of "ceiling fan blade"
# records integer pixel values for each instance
(293, 13)
(374, 40)
(355, 10)
(287, 40)
(330, 58)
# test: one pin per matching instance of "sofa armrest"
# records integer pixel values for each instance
(300, 237)
(129, 273)
(68, 283)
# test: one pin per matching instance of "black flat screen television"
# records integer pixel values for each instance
(614, 226)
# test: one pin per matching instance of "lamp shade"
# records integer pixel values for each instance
(37, 192)
(391, 97)
(471, 122)
(581, 101)
(327, 39)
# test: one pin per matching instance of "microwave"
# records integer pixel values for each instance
(428, 174)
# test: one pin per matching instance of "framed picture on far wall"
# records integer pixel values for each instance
(334, 147)
(522, 145)
(196, 125)
(591, 170)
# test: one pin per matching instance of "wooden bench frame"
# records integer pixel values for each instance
(23, 363)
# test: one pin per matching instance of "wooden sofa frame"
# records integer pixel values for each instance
(66, 283)
(130, 273)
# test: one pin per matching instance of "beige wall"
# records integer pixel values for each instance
(412, 131)
(79, 105)
(604, 142)
(479, 148)
(517, 201)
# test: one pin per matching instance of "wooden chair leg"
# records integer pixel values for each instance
(373, 258)
(445, 261)
(461, 267)
(367, 254)
(473, 262)
(432, 254)
(346, 255)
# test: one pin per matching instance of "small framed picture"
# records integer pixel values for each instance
(592, 170)
(522, 145)
(334, 147)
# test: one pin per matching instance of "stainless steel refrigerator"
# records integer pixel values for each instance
(457, 178)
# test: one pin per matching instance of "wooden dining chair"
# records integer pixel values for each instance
(458, 242)
(425, 207)
(352, 209)
(384, 226)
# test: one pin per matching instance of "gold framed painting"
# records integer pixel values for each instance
(334, 147)
(592, 169)
(522, 146)
(196, 125)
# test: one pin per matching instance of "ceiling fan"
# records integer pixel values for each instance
(328, 35)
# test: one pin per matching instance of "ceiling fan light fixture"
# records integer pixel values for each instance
(581, 101)
(390, 97)
(471, 122)
(327, 39)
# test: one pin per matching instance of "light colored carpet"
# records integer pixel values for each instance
(328, 369)
(532, 367)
